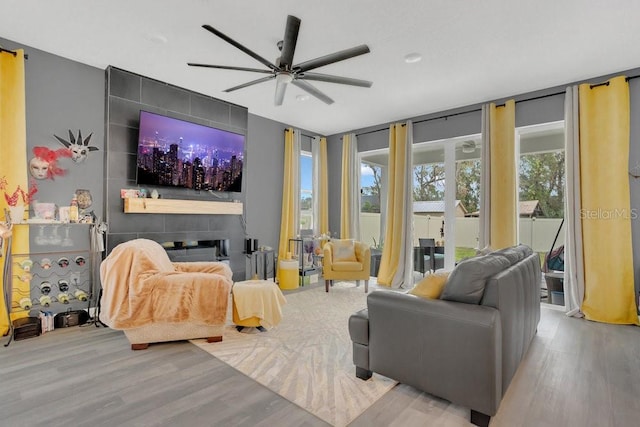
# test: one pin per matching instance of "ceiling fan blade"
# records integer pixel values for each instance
(331, 58)
(312, 91)
(241, 47)
(225, 67)
(281, 88)
(289, 42)
(334, 79)
(251, 83)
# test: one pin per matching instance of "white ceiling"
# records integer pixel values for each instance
(472, 50)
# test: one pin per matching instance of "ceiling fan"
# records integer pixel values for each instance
(285, 72)
(469, 147)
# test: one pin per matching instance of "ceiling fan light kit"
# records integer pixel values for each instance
(468, 147)
(284, 77)
(285, 72)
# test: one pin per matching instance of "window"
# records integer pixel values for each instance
(467, 204)
(371, 203)
(306, 191)
(428, 182)
(370, 183)
(541, 189)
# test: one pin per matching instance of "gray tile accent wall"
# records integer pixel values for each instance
(127, 94)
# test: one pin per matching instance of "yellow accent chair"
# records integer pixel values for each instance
(346, 259)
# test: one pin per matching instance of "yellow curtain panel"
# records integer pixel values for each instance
(345, 194)
(606, 207)
(13, 162)
(323, 220)
(504, 211)
(395, 205)
(288, 226)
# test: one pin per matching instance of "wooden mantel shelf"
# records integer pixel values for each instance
(176, 206)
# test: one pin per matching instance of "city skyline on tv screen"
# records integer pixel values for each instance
(178, 153)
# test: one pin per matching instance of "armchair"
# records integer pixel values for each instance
(153, 299)
(427, 256)
(346, 260)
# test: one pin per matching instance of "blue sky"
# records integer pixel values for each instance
(366, 176)
(306, 165)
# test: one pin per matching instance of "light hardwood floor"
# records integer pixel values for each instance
(577, 373)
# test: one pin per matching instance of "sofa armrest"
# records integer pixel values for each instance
(363, 255)
(449, 349)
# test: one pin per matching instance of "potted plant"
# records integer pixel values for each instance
(17, 200)
(309, 249)
(376, 256)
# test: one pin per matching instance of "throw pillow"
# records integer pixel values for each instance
(343, 250)
(431, 285)
(466, 281)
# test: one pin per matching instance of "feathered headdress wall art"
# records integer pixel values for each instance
(79, 149)
(45, 163)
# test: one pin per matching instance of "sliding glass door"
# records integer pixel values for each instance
(467, 184)
(541, 186)
(446, 188)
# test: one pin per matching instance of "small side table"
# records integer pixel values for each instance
(257, 304)
(263, 259)
(555, 287)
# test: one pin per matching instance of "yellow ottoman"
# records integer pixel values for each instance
(288, 274)
(257, 304)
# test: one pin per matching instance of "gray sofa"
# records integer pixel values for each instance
(464, 347)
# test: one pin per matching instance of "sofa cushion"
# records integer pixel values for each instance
(431, 285)
(467, 281)
(514, 253)
(343, 250)
(485, 251)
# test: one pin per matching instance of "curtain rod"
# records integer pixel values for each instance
(12, 52)
(446, 116)
(302, 134)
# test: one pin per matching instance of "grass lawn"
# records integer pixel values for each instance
(462, 253)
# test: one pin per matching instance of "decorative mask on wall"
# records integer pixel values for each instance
(79, 149)
(84, 199)
(45, 163)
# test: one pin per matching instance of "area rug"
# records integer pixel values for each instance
(307, 359)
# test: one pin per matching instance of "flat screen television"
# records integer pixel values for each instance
(181, 154)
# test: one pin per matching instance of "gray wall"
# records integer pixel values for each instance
(62, 95)
(264, 180)
(264, 169)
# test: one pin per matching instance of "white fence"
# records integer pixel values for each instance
(538, 233)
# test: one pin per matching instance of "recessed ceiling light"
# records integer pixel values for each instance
(411, 58)
(158, 38)
(302, 97)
